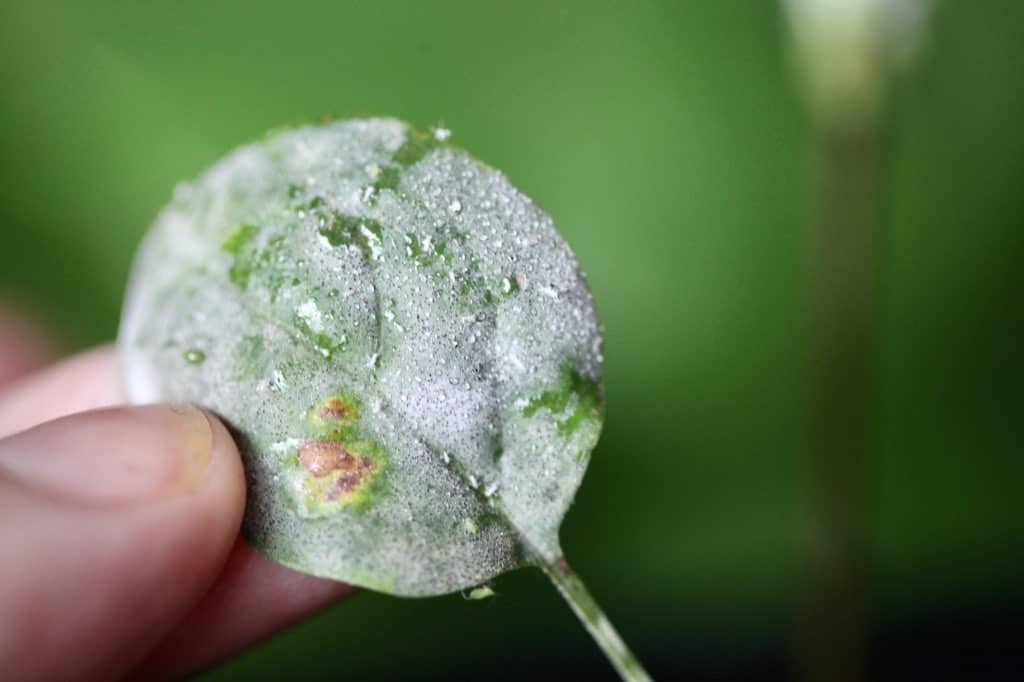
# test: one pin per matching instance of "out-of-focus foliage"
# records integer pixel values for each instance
(668, 142)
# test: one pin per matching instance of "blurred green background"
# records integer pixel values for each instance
(669, 143)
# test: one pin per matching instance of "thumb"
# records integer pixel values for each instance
(113, 525)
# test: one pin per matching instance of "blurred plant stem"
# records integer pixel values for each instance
(845, 52)
(843, 287)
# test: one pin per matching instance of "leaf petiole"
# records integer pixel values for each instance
(593, 618)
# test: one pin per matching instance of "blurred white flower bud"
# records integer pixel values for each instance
(845, 49)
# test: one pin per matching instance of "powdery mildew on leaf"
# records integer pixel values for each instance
(404, 344)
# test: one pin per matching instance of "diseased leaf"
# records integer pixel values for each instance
(406, 349)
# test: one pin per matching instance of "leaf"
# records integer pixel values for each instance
(405, 347)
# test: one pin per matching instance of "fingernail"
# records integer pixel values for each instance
(198, 446)
(116, 456)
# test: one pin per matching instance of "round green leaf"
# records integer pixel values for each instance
(404, 346)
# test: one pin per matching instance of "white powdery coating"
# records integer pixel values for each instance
(310, 314)
(423, 284)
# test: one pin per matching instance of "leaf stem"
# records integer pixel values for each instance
(593, 618)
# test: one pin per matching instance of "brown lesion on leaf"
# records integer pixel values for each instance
(336, 465)
(321, 458)
(337, 473)
(334, 418)
(351, 479)
(336, 409)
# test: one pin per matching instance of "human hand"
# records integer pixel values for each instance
(119, 530)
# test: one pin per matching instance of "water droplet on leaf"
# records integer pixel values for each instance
(194, 356)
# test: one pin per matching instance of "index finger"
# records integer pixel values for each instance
(270, 595)
(24, 345)
(83, 382)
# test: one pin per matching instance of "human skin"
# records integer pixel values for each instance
(119, 527)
